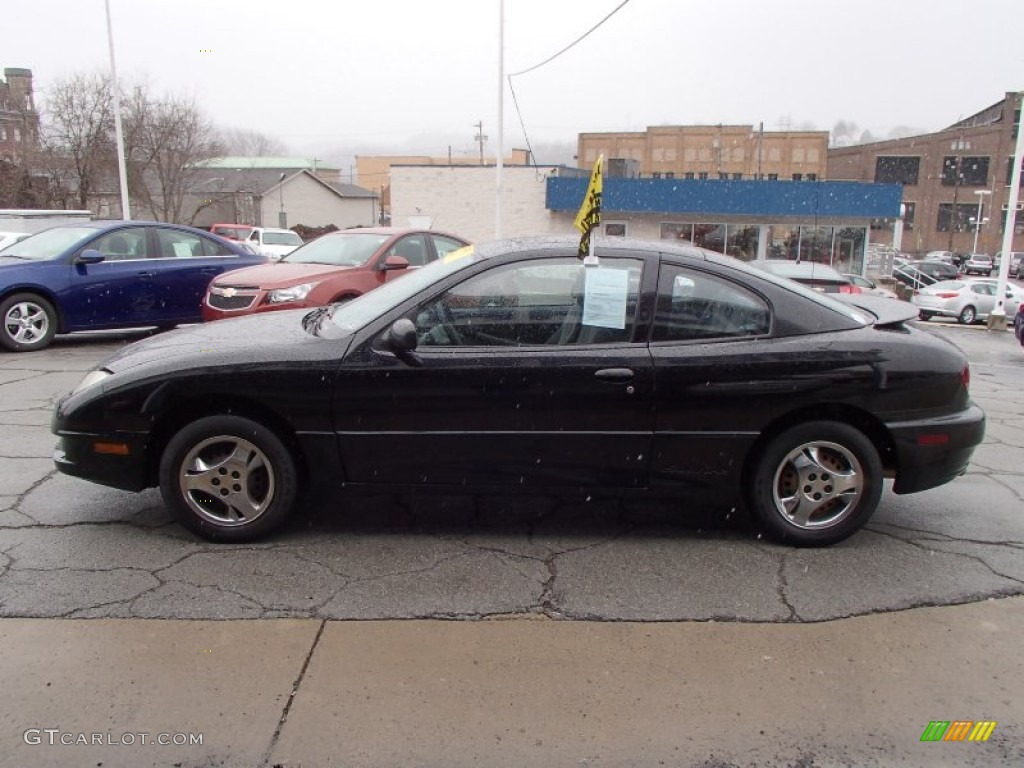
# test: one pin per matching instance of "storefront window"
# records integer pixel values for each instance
(710, 236)
(741, 241)
(671, 230)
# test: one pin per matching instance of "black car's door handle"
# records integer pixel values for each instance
(144, 274)
(615, 374)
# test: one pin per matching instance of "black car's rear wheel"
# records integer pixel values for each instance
(816, 483)
(228, 478)
(29, 322)
(924, 315)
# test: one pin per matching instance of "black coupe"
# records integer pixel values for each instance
(515, 364)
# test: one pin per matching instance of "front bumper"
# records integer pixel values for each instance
(931, 452)
(76, 454)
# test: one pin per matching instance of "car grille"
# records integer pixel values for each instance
(231, 298)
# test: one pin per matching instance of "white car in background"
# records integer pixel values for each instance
(969, 300)
(273, 243)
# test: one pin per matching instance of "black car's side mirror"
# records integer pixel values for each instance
(89, 256)
(402, 340)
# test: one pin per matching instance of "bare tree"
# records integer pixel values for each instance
(248, 143)
(78, 126)
(166, 140)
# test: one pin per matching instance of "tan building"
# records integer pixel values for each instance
(948, 178)
(734, 152)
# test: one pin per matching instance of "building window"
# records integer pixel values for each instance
(689, 175)
(798, 177)
(17, 133)
(722, 176)
(959, 220)
(710, 236)
(897, 170)
(737, 176)
(812, 155)
(958, 170)
(909, 209)
(656, 175)
(615, 229)
(1018, 225)
(670, 175)
(671, 230)
(812, 177)
(703, 175)
(3, 135)
(773, 177)
(1009, 172)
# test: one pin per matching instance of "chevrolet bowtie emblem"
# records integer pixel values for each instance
(229, 292)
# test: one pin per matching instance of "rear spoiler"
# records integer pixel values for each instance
(887, 312)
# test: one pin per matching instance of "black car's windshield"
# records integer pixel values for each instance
(348, 249)
(354, 314)
(47, 244)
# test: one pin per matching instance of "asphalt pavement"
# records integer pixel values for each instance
(527, 630)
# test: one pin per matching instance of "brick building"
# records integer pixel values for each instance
(19, 121)
(948, 178)
(700, 152)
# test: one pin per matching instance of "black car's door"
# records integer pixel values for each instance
(528, 375)
(717, 373)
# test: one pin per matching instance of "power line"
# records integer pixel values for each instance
(574, 42)
(515, 100)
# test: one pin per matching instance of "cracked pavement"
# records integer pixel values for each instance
(72, 549)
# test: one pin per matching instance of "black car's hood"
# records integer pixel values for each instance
(254, 339)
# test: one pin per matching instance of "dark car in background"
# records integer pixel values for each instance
(820, 277)
(916, 274)
(514, 365)
(334, 267)
(108, 274)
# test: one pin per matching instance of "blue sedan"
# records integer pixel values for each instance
(108, 274)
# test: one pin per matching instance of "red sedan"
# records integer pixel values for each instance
(335, 267)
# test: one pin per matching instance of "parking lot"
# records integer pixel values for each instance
(72, 549)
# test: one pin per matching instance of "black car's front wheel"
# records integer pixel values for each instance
(228, 478)
(29, 322)
(816, 484)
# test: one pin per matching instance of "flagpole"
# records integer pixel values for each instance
(499, 191)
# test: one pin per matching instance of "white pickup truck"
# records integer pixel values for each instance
(273, 243)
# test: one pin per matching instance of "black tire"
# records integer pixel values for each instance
(247, 487)
(813, 455)
(924, 315)
(29, 322)
(967, 315)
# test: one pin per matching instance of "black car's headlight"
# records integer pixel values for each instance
(91, 378)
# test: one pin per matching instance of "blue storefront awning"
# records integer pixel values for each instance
(760, 199)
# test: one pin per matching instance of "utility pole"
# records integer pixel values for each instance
(480, 138)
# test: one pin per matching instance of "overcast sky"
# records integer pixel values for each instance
(327, 75)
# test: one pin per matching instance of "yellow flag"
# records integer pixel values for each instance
(590, 212)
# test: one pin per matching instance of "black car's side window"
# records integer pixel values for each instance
(696, 305)
(536, 303)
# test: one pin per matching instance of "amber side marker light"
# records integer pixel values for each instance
(115, 449)
(965, 376)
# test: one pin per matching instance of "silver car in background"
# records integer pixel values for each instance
(967, 300)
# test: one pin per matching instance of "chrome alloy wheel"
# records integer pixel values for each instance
(26, 323)
(817, 485)
(227, 480)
